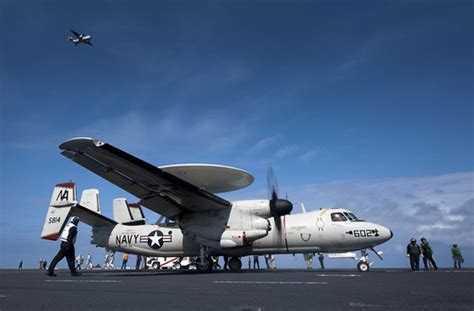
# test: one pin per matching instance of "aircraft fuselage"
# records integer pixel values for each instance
(315, 231)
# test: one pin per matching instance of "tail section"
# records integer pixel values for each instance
(128, 214)
(89, 211)
(90, 200)
(62, 200)
(64, 205)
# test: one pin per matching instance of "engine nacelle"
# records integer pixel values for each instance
(263, 209)
(257, 207)
(236, 238)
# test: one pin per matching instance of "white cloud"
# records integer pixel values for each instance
(438, 207)
(308, 155)
(286, 150)
(264, 143)
(139, 132)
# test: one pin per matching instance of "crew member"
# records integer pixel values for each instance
(414, 251)
(321, 260)
(427, 254)
(255, 262)
(308, 257)
(215, 262)
(226, 262)
(267, 261)
(79, 262)
(457, 256)
(89, 265)
(124, 261)
(68, 238)
(137, 264)
(271, 258)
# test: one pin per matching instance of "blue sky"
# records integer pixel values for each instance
(366, 105)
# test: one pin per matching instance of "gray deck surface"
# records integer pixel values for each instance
(248, 290)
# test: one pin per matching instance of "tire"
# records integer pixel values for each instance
(363, 266)
(205, 266)
(235, 264)
(156, 265)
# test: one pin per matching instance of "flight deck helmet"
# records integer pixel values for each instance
(75, 220)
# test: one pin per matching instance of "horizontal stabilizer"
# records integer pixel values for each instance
(91, 218)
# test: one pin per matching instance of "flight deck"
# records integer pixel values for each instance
(282, 289)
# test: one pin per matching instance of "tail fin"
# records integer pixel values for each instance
(64, 205)
(62, 200)
(90, 200)
(89, 210)
(128, 214)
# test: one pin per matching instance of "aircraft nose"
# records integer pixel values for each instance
(385, 233)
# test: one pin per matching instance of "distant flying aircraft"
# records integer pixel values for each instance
(80, 38)
(197, 221)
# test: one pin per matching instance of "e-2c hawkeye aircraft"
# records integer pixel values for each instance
(80, 38)
(197, 222)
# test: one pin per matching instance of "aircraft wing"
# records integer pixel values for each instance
(75, 33)
(158, 190)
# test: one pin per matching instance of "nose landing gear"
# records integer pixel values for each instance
(363, 266)
(364, 263)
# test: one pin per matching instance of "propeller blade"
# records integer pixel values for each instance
(278, 207)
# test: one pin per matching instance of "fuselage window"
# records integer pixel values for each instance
(338, 217)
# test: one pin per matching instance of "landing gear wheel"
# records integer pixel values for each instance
(235, 264)
(156, 265)
(204, 266)
(363, 266)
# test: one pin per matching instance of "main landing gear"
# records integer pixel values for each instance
(235, 264)
(204, 261)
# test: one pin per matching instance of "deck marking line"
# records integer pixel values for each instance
(83, 281)
(271, 282)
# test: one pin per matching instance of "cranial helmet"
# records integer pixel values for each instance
(413, 240)
(75, 220)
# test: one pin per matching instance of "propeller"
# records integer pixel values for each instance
(278, 207)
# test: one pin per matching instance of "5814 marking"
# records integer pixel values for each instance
(54, 220)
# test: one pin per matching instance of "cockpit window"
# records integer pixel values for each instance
(348, 216)
(338, 217)
(353, 216)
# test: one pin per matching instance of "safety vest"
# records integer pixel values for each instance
(65, 233)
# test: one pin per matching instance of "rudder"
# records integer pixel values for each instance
(128, 214)
(62, 200)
